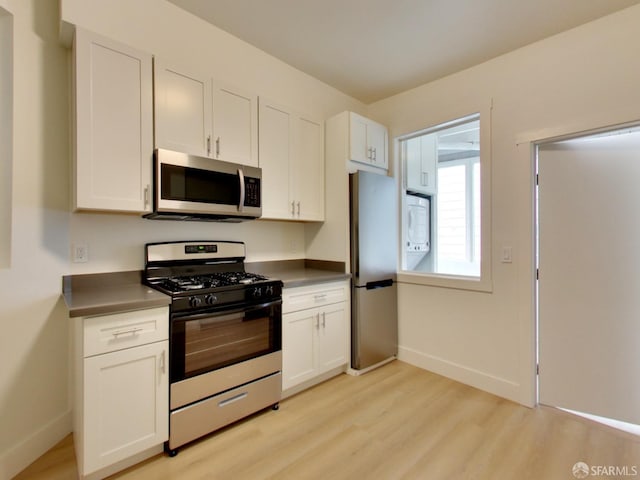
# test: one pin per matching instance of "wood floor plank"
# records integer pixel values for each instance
(397, 422)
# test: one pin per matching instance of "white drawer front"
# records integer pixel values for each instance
(108, 333)
(300, 298)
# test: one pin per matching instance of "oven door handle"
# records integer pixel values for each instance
(222, 315)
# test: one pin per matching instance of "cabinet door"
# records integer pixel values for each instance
(332, 337)
(275, 160)
(299, 346)
(183, 110)
(235, 126)
(421, 158)
(377, 143)
(358, 147)
(308, 169)
(428, 163)
(113, 125)
(126, 404)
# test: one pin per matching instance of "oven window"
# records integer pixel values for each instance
(218, 341)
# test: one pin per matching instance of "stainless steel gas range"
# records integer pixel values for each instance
(225, 335)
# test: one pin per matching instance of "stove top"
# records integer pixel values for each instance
(207, 282)
(206, 274)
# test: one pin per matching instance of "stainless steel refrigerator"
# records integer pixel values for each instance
(374, 254)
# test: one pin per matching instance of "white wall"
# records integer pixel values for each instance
(33, 344)
(34, 409)
(582, 79)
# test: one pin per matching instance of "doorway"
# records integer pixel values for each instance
(588, 292)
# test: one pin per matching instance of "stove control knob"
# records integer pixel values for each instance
(257, 292)
(210, 299)
(269, 290)
(195, 302)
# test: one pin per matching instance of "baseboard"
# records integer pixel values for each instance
(463, 374)
(20, 456)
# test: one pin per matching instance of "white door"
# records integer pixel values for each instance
(589, 266)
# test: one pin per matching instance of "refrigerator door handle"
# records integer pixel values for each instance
(379, 284)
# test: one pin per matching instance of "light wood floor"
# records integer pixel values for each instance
(396, 422)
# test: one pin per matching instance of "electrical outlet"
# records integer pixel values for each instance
(80, 253)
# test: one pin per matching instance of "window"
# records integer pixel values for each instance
(442, 208)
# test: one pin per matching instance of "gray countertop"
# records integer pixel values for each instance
(297, 273)
(106, 293)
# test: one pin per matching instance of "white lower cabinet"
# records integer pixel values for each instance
(121, 406)
(315, 333)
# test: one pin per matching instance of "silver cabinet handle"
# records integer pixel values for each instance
(147, 189)
(324, 319)
(293, 208)
(131, 331)
(218, 147)
(317, 321)
(208, 144)
(375, 154)
(370, 153)
(298, 208)
(320, 296)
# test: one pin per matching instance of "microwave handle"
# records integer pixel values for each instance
(241, 201)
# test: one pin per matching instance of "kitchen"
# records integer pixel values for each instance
(483, 340)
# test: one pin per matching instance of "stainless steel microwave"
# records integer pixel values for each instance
(188, 187)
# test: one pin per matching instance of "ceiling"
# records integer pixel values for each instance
(372, 49)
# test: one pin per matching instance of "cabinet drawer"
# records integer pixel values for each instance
(108, 333)
(300, 298)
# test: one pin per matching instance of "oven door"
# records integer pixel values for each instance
(208, 341)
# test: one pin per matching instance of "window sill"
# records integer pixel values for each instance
(446, 281)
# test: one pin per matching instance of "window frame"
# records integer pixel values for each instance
(484, 282)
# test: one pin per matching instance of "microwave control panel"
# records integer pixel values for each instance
(252, 192)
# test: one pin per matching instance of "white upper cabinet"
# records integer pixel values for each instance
(308, 168)
(113, 117)
(183, 110)
(196, 115)
(292, 160)
(235, 125)
(422, 156)
(368, 141)
(276, 125)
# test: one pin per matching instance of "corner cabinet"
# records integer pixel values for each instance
(315, 334)
(121, 399)
(198, 115)
(113, 119)
(291, 152)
